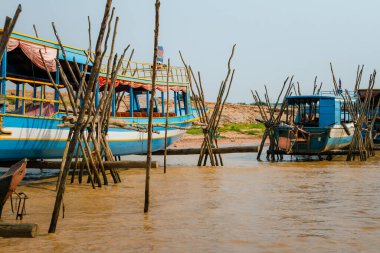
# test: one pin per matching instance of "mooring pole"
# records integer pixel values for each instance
(166, 115)
(78, 124)
(150, 121)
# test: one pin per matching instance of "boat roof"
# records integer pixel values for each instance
(134, 72)
(70, 50)
(313, 98)
(316, 97)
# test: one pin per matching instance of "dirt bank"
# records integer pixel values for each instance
(232, 114)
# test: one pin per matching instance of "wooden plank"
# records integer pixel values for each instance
(107, 164)
(332, 152)
(20, 230)
(221, 150)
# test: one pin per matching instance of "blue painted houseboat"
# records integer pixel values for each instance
(30, 109)
(314, 125)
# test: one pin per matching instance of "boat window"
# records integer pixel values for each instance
(177, 103)
(345, 116)
(30, 100)
(304, 112)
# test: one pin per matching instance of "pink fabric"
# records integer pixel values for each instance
(132, 84)
(48, 109)
(173, 88)
(32, 51)
(147, 87)
(34, 110)
(161, 88)
(178, 88)
(12, 44)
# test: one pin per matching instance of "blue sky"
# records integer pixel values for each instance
(274, 38)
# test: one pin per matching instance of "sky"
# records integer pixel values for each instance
(275, 38)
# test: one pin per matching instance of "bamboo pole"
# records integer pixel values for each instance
(151, 104)
(77, 128)
(270, 121)
(8, 29)
(35, 30)
(166, 116)
(54, 84)
(74, 105)
(211, 123)
(75, 167)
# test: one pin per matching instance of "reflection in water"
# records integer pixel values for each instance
(245, 206)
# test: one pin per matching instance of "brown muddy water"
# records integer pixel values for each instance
(246, 206)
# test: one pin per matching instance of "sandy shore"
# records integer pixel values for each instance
(229, 138)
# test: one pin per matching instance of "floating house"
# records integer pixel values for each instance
(30, 112)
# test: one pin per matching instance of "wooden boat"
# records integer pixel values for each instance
(10, 180)
(30, 112)
(314, 125)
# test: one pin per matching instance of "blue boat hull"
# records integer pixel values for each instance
(41, 138)
(317, 141)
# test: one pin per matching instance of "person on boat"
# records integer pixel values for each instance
(339, 91)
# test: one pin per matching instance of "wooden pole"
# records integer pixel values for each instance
(78, 125)
(166, 115)
(107, 164)
(210, 143)
(151, 104)
(18, 230)
(35, 30)
(8, 28)
(221, 150)
(270, 121)
(54, 84)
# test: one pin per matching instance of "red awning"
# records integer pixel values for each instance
(102, 81)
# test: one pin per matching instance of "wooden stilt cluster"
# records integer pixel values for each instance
(92, 145)
(271, 117)
(210, 123)
(87, 140)
(364, 113)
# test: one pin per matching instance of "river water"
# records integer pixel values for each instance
(245, 206)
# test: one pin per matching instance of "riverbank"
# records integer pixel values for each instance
(238, 125)
(229, 138)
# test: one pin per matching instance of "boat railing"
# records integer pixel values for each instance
(19, 100)
(142, 70)
(333, 93)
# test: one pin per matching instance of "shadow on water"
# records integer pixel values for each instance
(35, 174)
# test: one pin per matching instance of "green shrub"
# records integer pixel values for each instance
(244, 128)
(195, 131)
